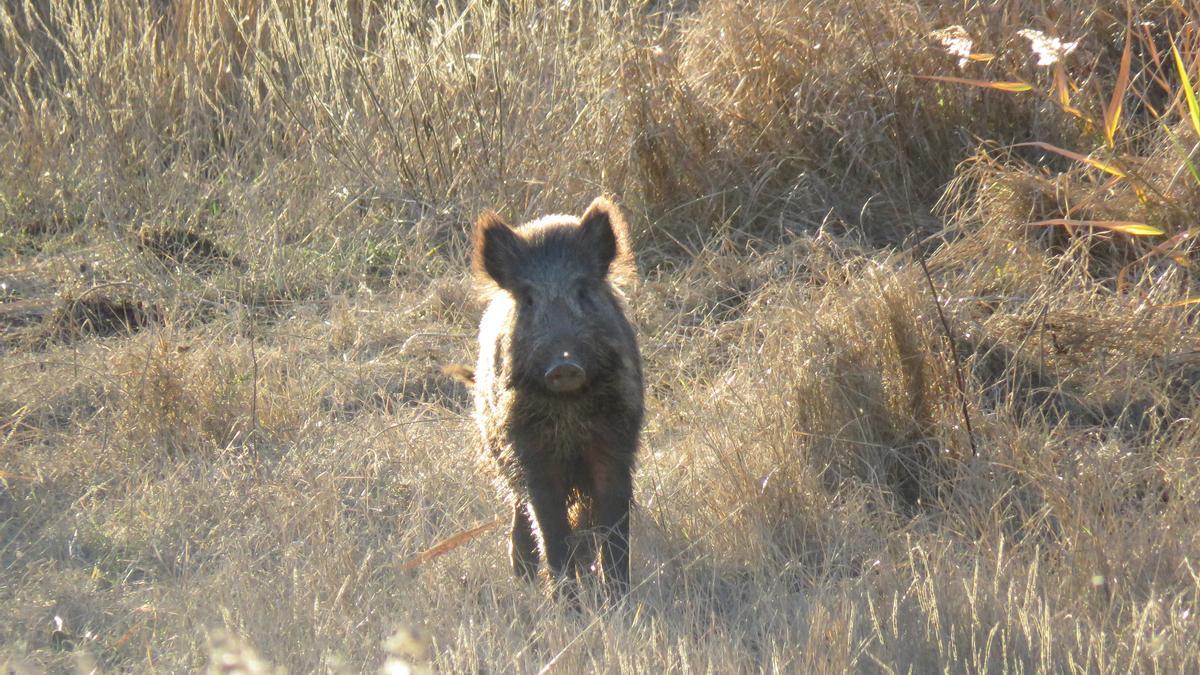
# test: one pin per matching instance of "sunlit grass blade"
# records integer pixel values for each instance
(1167, 248)
(1147, 39)
(1183, 154)
(1091, 161)
(1132, 228)
(1183, 303)
(1014, 87)
(1155, 73)
(1188, 91)
(1063, 92)
(1150, 107)
(1112, 112)
(1060, 86)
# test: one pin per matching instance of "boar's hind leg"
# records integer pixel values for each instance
(613, 500)
(523, 548)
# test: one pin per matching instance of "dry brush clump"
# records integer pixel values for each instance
(232, 243)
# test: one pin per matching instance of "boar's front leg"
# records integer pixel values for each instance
(548, 497)
(523, 548)
(613, 498)
(613, 519)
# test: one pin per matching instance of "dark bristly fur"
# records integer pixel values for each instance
(566, 458)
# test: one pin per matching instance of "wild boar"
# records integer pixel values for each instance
(558, 388)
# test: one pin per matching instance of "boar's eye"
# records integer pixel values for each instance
(583, 292)
(524, 295)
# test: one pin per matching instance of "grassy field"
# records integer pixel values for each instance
(922, 354)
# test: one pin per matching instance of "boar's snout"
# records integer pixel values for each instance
(565, 376)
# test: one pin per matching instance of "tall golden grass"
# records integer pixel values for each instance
(233, 260)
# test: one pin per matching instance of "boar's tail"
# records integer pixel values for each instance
(462, 373)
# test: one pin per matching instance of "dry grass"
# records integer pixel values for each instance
(233, 260)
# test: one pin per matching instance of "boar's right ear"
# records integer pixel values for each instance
(605, 231)
(497, 251)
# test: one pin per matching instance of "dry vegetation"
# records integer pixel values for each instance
(233, 257)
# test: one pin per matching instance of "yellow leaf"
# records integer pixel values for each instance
(1103, 166)
(999, 86)
(1182, 303)
(1188, 91)
(1064, 94)
(1132, 228)
(1112, 112)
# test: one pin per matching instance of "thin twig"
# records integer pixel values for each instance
(958, 371)
(423, 420)
(414, 336)
(254, 383)
(449, 544)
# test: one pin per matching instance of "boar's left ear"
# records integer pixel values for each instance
(606, 233)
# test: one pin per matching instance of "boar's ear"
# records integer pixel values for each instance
(604, 231)
(497, 251)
